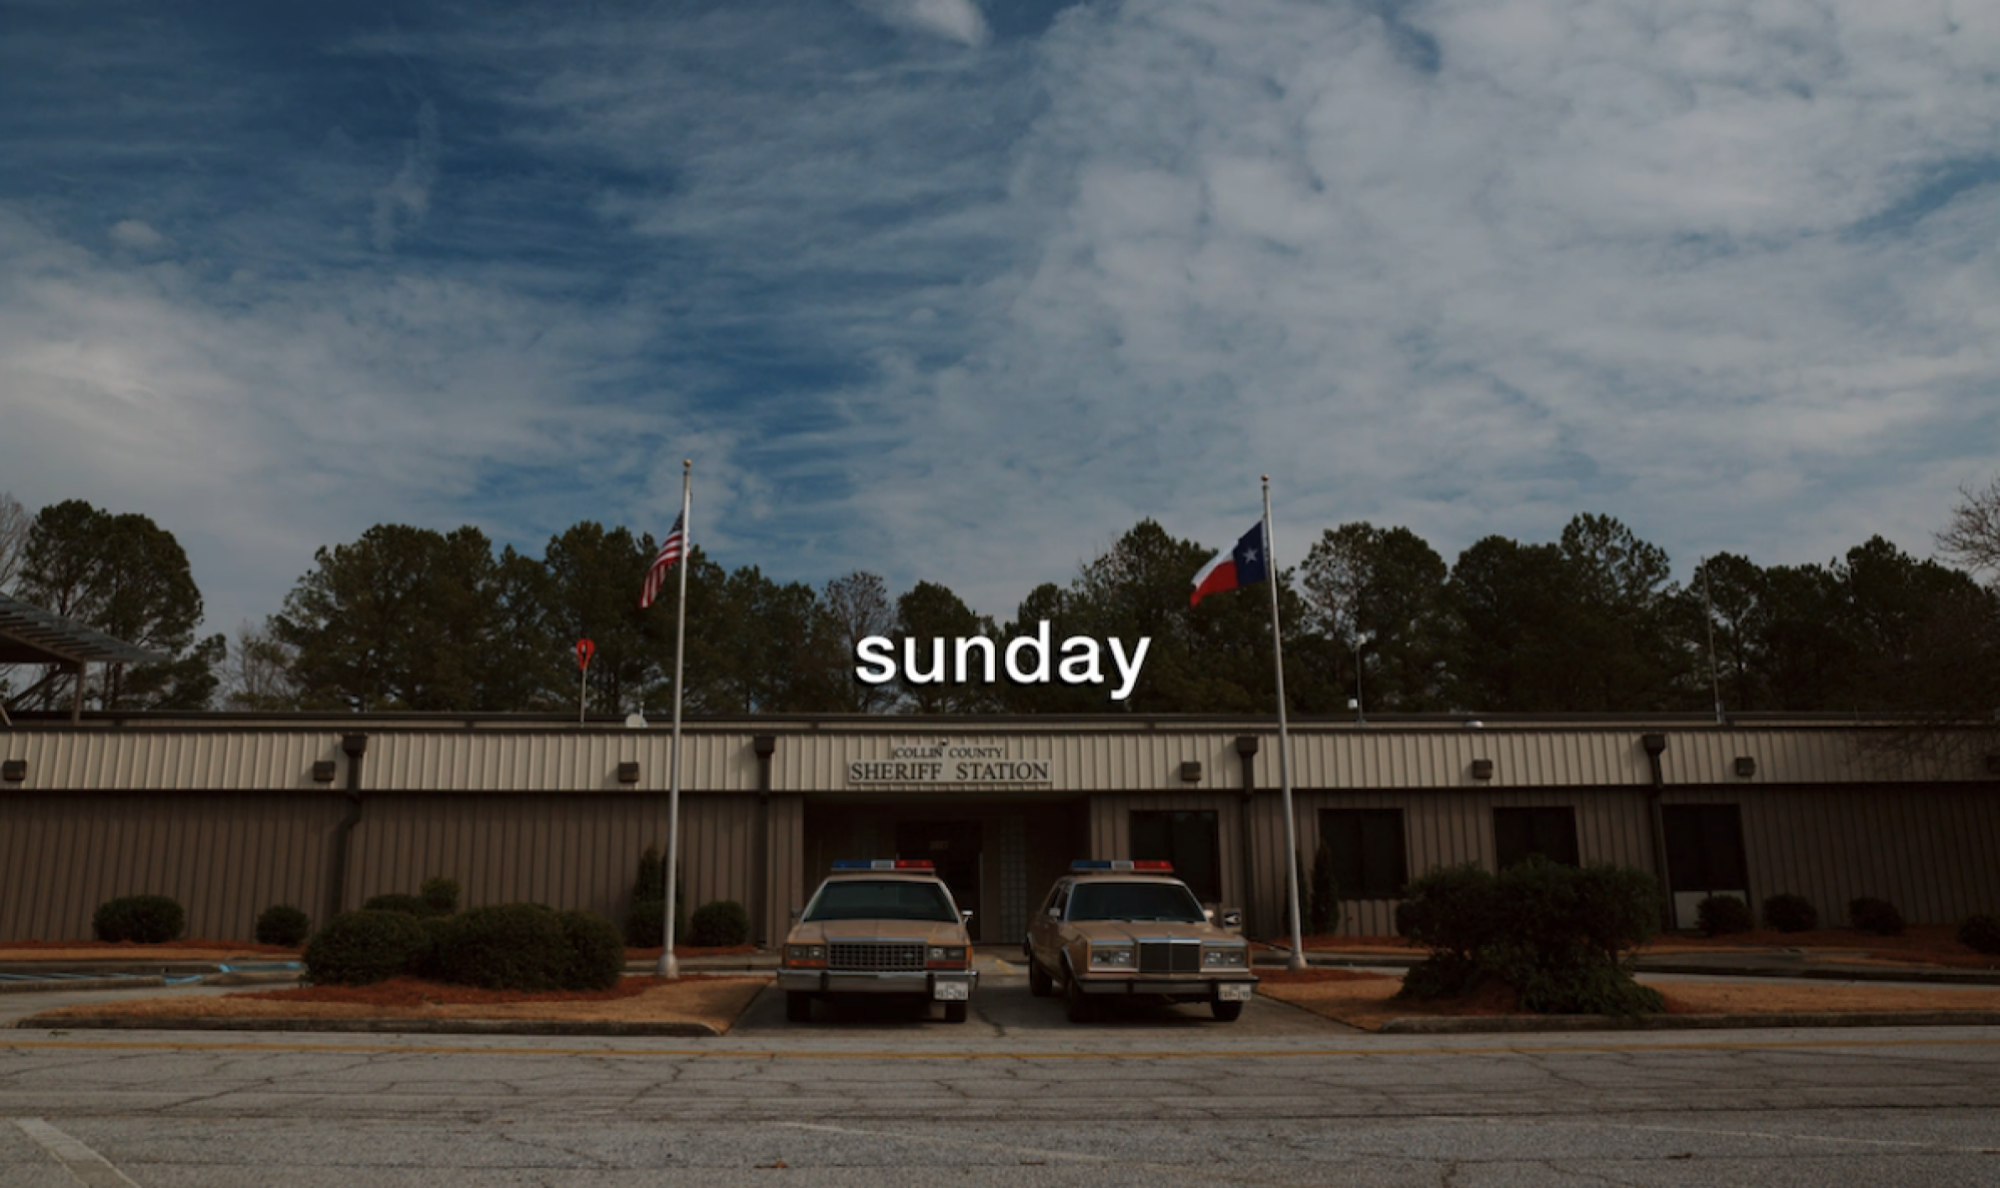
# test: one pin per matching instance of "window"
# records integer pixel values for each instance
(1704, 847)
(1186, 838)
(1550, 832)
(1366, 846)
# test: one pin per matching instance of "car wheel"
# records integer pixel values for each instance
(1226, 1012)
(954, 1012)
(798, 1007)
(1040, 984)
(1081, 1009)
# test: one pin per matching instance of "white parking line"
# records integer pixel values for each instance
(90, 1169)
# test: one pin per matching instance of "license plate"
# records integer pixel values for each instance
(1235, 991)
(950, 991)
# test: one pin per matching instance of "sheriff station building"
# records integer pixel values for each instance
(230, 814)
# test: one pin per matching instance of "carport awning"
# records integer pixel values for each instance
(31, 635)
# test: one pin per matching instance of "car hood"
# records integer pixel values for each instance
(1100, 931)
(934, 932)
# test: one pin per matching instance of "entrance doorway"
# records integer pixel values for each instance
(952, 847)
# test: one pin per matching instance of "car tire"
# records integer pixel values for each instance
(954, 1012)
(1226, 1012)
(1081, 1009)
(1040, 984)
(798, 1007)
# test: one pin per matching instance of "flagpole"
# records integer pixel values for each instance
(1298, 960)
(669, 967)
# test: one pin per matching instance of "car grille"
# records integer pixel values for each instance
(1169, 957)
(874, 956)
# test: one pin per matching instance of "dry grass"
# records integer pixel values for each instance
(714, 1001)
(1920, 944)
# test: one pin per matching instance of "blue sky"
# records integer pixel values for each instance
(959, 292)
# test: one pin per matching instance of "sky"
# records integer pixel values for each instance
(962, 290)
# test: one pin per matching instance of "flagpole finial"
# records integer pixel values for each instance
(687, 463)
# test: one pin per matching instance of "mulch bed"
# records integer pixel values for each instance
(411, 992)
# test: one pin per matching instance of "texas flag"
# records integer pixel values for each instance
(1240, 566)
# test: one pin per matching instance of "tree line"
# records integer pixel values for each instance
(1376, 621)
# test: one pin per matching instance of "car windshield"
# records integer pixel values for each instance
(1095, 900)
(883, 899)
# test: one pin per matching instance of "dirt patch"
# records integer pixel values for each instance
(710, 1000)
(180, 950)
(1368, 1001)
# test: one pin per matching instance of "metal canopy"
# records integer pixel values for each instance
(31, 635)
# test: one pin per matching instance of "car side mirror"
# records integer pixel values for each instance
(1055, 913)
(1232, 920)
(965, 916)
(1208, 914)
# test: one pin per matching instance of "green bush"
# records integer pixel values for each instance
(1980, 933)
(409, 905)
(651, 884)
(719, 924)
(646, 924)
(439, 895)
(525, 946)
(1555, 933)
(1451, 909)
(1878, 916)
(1790, 913)
(1324, 911)
(144, 919)
(596, 952)
(283, 924)
(1720, 914)
(360, 948)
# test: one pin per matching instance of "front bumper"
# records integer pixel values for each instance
(1232, 989)
(943, 985)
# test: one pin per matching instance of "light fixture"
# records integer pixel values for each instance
(14, 770)
(1482, 769)
(628, 772)
(323, 771)
(1191, 771)
(1746, 766)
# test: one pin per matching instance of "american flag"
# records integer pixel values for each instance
(670, 552)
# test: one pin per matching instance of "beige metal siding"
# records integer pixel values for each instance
(224, 857)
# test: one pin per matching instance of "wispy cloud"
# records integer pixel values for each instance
(960, 295)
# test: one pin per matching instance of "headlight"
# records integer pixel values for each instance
(946, 955)
(1225, 958)
(1115, 956)
(798, 954)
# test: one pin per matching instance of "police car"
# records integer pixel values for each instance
(1130, 929)
(879, 926)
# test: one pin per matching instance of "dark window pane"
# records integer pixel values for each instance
(1366, 848)
(1187, 838)
(1705, 847)
(1519, 832)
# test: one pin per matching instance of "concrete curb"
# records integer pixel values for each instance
(375, 1026)
(1533, 1024)
(53, 985)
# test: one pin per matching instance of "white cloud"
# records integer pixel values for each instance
(956, 20)
(136, 233)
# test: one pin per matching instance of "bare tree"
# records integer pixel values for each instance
(257, 675)
(1973, 538)
(859, 607)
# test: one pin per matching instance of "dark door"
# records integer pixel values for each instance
(952, 847)
(1705, 847)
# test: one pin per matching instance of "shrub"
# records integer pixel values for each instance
(596, 952)
(283, 924)
(651, 884)
(359, 948)
(409, 905)
(1554, 933)
(1324, 912)
(145, 919)
(1720, 914)
(1878, 916)
(1790, 913)
(439, 895)
(1980, 933)
(525, 946)
(719, 924)
(646, 924)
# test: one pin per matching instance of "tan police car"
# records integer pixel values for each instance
(879, 926)
(1131, 929)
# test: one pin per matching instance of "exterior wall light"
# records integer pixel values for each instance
(14, 770)
(1482, 769)
(1191, 771)
(1746, 766)
(323, 771)
(628, 772)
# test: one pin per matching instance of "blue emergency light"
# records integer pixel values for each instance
(882, 864)
(1155, 865)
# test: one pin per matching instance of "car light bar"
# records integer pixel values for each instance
(882, 864)
(1156, 864)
